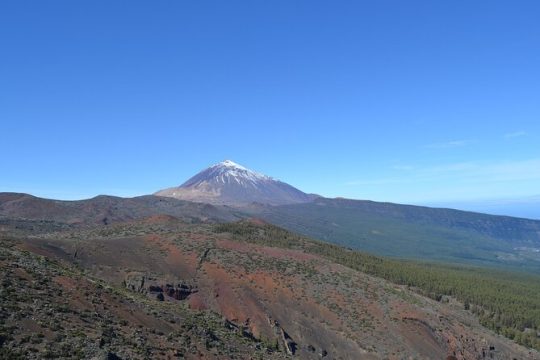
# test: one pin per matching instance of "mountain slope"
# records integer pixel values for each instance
(108, 209)
(232, 184)
(413, 231)
(275, 291)
(380, 228)
(51, 309)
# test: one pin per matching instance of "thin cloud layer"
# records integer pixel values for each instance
(468, 171)
(448, 144)
(515, 134)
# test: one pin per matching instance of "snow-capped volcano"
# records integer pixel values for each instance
(227, 172)
(230, 183)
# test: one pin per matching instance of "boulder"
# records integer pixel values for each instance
(181, 291)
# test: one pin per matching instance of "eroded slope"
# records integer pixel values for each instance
(283, 297)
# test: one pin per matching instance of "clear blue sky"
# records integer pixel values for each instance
(407, 101)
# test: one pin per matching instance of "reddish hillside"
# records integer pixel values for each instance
(108, 209)
(289, 300)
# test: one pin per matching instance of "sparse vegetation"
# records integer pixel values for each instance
(251, 268)
(51, 309)
(507, 302)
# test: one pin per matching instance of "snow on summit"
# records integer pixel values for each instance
(230, 183)
(230, 163)
(238, 172)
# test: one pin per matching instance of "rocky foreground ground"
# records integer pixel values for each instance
(162, 288)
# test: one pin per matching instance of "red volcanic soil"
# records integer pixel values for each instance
(244, 309)
(56, 311)
(182, 261)
(265, 250)
(257, 221)
(160, 219)
(197, 301)
(277, 295)
(422, 336)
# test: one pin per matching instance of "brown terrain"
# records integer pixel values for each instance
(161, 287)
(106, 209)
